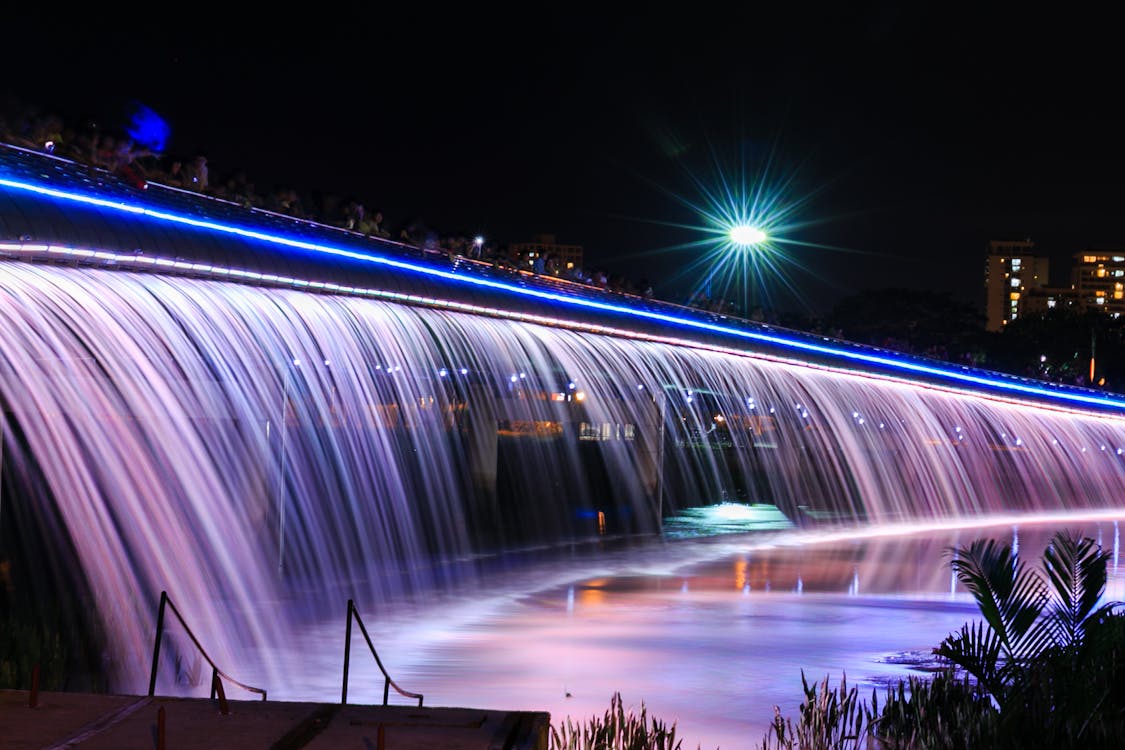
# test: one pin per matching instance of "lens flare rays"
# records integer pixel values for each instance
(746, 251)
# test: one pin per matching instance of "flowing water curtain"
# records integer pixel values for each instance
(237, 444)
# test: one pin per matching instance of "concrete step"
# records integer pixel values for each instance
(119, 722)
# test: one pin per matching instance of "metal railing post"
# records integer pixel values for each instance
(347, 654)
(217, 690)
(156, 646)
(216, 673)
(388, 682)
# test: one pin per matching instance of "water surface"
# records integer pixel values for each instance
(711, 633)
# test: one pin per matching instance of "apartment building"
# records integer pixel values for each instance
(1013, 272)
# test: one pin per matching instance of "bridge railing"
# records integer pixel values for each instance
(216, 673)
(388, 683)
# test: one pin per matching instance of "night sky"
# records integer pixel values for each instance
(899, 139)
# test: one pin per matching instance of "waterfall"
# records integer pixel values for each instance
(238, 445)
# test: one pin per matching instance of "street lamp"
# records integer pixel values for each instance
(749, 247)
(739, 237)
(745, 235)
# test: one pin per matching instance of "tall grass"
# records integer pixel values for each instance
(830, 719)
(618, 729)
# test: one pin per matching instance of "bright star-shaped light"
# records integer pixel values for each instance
(746, 235)
(741, 254)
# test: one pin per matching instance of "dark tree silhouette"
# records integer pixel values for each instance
(1057, 345)
(910, 320)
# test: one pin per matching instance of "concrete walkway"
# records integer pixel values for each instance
(129, 722)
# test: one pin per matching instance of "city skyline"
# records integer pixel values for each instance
(898, 141)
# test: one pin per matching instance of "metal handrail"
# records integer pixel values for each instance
(216, 686)
(388, 683)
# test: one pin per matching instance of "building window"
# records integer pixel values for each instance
(1015, 282)
(601, 432)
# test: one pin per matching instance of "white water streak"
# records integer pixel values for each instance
(195, 436)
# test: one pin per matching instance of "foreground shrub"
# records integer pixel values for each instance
(617, 730)
(1044, 669)
(1050, 658)
(830, 719)
(26, 645)
(944, 712)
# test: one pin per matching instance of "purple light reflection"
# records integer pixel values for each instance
(185, 452)
(714, 645)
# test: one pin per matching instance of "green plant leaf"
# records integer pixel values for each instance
(1011, 597)
(976, 649)
(1076, 568)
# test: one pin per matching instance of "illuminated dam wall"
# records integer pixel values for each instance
(233, 406)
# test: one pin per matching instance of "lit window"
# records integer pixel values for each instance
(1101, 272)
(1119, 259)
(1015, 282)
(1089, 259)
(1014, 296)
(1050, 303)
(1100, 300)
(597, 432)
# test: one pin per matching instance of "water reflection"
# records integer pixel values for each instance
(713, 644)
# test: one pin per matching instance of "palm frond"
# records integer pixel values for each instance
(976, 650)
(1076, 568)
(1011, 596)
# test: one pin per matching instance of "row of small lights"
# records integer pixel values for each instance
(203, 268)
(768, 338)
(689, 397)
(273, 278)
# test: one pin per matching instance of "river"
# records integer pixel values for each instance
(709, 632)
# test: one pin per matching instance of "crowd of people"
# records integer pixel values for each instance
(116, 151)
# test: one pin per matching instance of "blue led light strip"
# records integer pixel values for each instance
(767, 338)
